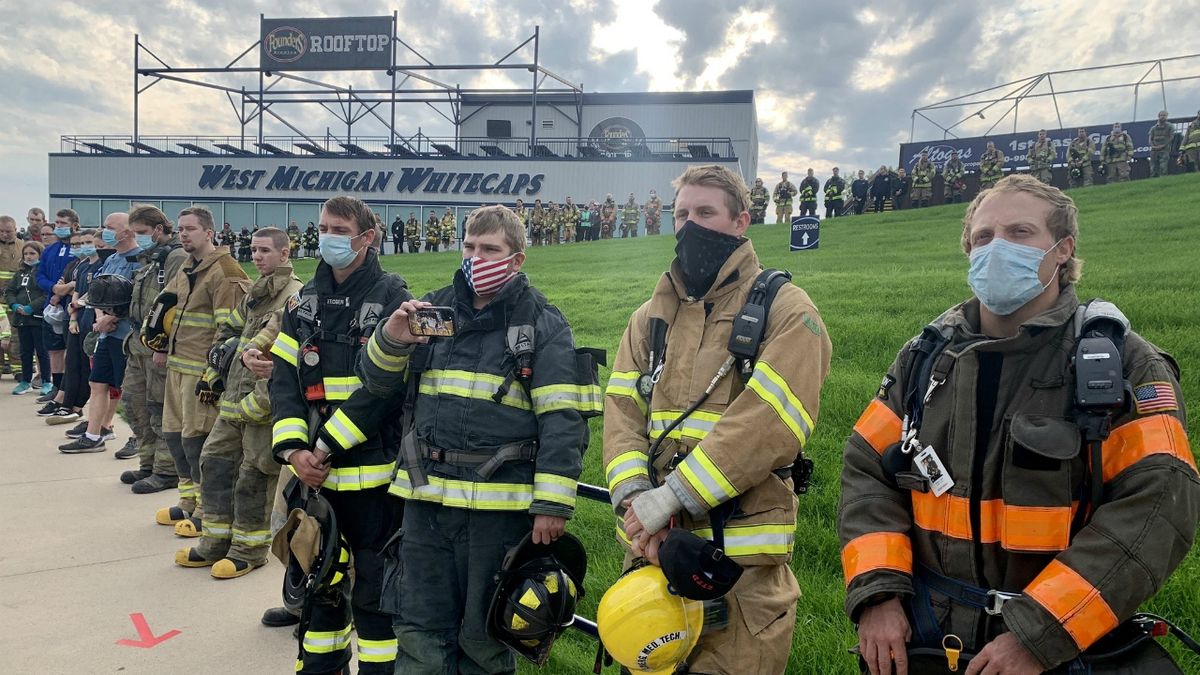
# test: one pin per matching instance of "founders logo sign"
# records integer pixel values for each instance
(617, 136)
(344, 43)
(285, 44)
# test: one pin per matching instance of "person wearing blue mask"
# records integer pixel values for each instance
(54, 260)
(25, 300)
(1022, 480)
(67, 406)
(339, 437)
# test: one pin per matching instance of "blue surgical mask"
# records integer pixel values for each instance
(62, 232)
(109, 237)
(1004, 275)
(336, 250)
(144, 241)
(84, 251)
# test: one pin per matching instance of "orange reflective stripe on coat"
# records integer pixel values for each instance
(879, 426)
(1076, 603)
(1016, 528)
(1134, 441)
(877, 551)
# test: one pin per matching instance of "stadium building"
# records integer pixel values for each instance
(500, 145)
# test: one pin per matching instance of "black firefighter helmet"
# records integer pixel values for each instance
(111, 293)
(312, 547)
(537, 588)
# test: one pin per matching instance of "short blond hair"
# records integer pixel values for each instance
(1063, 218)
(497, 218)
(737, 195)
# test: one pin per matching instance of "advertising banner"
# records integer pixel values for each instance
(344, 43)
(1016, 146)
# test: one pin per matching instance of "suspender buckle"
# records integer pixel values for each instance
(996, 600)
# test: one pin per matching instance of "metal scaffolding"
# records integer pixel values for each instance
(416, 82)
(1042, 86)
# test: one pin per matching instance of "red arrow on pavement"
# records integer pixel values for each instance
(148, 639)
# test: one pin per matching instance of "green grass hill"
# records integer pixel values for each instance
(877, 280)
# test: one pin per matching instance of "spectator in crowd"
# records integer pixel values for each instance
(26, 298)
(901, 184)
(881, 187)
(10, 262)
(36, 218)
(67, 405)
(54, 260)
(859, 189)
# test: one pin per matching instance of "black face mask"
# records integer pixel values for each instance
(701, 254)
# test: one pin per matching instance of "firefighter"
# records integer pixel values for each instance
(809, 187)
(1079, 159)
(334, 434)
(433, 233)
(922, 181)
(1161, 135)
(969, 520)
(727, 463)
(412, 232)
(203, 293)
(144, 388)
(759, 198)
(447, 229)
(397, 236)
(1117, 154)
(10, 262)
(783, 194)
(243, 240)
(1041, 157)
(239, 472)
(570, 216)
(835, 195)
(523, 216)
(537, 216)
(228, 239)
(497, 435)
(954, 181)
(311, 240)
(653, 209)
(1189, 148)
(630, 213)
(991, 166)
(608, 217)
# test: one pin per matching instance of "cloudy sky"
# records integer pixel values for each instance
(835, 83)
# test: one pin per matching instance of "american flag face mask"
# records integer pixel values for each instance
(486, 277)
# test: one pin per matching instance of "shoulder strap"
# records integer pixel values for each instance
(750, 324)
(520, 339)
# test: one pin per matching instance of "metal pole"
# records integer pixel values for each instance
(242, 118)
(135, 91)
(533, 114)
(349, 114)
(912, 125)
(1135, 102)
(1016, 112)
(1162, 85)
(262, 110)
(392, 119)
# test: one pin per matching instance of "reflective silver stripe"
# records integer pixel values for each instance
(557, 489)
(576, 397)
(342, 389)
(633, 465)
(217, 530)
(471, 385)
(794, 417)
(698, 425)
(257, 538)
(465, 494)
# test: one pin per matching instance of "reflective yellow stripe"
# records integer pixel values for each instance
(581, 397)
(747, 540)
(252, 538)
(252, 409)
(286, 348)
(772, 389)
(230, 411)
(549, 487)
(340, 388)
(624, 383)
(215, 530)
(706, 479)
(376, 651)
(223, 315)
(696, 426)
(289, 429)
(349, 478)
(195, 319)
(632, 464)
(466, 384)
(326, 642)
(186, 366)
(381, 359)
(621, 531)
(236, 319)
(343, 430)
(465, 494)
(188, 490)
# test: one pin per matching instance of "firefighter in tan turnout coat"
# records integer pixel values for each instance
(735, 445)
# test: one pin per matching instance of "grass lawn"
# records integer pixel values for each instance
(877, 279)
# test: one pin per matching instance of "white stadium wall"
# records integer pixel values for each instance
(272, 190)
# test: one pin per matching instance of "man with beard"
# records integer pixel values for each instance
(809, 187)
(953, 179)
(1079, 159)
(759, 198)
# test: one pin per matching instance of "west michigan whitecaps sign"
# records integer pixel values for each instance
(292, 178)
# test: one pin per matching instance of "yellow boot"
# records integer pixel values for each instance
(189, 557)
(188, 527)
(169, 515)
(228, 568)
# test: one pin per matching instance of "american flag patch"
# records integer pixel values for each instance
(1155, 397)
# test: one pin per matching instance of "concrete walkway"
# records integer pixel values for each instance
(80, 554)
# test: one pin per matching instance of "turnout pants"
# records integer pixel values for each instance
(1116, 172)
(444, 585)
(143, 390)
(367, 519)
(186, 423)
(238, 492)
